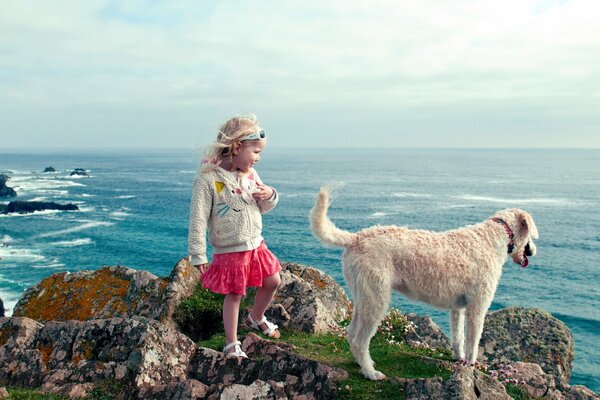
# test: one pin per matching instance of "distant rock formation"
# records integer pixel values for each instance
(25, 207)
(49, 169)
(79, 171)
(2, 310)
(6, 191)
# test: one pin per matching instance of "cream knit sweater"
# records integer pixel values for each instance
(223, 204)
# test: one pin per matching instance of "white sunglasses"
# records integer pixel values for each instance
(258, 135)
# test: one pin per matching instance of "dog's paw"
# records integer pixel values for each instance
(374, 375)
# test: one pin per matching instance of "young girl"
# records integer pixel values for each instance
(228, 199)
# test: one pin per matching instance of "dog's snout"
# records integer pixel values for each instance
(528, 251)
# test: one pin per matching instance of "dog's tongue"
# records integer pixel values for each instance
(525, 261)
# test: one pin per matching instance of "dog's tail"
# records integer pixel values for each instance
(323, 228)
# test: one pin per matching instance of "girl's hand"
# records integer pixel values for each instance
(263, 192)
(202, 267)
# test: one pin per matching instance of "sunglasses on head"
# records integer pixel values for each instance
(258, 135)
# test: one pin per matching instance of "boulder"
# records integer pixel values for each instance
(70, 357)
(312, 300)
(109, 292)
(6, 191)
(2, 309)
(79, 172)
(26, 207)
(426, 332)
(466, 383)
(529, 335)
(49, 169)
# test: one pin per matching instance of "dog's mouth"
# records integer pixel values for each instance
(525, 261)
(526, 253)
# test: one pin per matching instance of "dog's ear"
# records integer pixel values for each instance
(526, 224)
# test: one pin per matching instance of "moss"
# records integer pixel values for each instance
(85, 297)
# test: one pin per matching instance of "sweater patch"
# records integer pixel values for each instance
(219, 186)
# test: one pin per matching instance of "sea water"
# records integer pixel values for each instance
(134, 209)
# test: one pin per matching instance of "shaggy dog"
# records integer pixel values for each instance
(457, 270)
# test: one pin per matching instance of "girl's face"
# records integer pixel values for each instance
(247, 154)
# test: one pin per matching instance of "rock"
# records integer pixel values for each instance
(68, 357)
(3, 393)
(49, 169)
(528, 335)
(311, 298)
(2, 309)
(6, 191)
(466, 384)
(426, 331)
(190, 389)
(109, 292)
(257, 390)
(578, 392)
(79, 172)
(533, 379)
(25, 207)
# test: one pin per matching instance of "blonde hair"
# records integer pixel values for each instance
(230, 133)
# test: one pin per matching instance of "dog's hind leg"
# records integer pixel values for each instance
(371, 301)
(457, 320)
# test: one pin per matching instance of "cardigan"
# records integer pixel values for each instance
(222, 204)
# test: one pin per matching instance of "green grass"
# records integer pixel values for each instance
(393, 360)
(30, 394)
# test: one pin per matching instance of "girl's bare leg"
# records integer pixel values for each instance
(264, 297)
(231, 309)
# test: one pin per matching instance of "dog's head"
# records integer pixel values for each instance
(523, 227)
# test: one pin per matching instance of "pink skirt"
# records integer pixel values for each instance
(234, 272)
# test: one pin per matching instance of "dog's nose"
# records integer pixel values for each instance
(528, 251)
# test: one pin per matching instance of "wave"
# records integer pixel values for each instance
(119, 214)
(35, 213)
(84, 226)
(378, 214)
(48, 266)
(126, 197)
(73, 243)
(11, 253)
(6, 240)
(515, 201)
(411, 195)
(87, 195)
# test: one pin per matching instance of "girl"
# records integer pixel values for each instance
(228, 199)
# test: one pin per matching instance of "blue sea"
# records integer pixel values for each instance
(134, 211)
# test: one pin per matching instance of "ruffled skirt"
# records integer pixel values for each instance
(234, 272)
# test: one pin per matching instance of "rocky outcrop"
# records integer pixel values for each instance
(313, 302)
(2, 309)
(151, 360)
(108, 292)
(6, 191)
(465, 384)
(49, 169)
(528, 335)
(26, 207)
(79, 172)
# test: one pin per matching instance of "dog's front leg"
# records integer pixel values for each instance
(475, 316)
(457, 321)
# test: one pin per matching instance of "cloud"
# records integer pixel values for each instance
(179, 57)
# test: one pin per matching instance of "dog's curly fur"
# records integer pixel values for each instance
(456, 270)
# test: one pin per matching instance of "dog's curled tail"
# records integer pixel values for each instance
(323, 228)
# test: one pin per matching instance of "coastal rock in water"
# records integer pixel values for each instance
(529, 335)
(79, 172)
(26, 207)
(6, 191)
(2, 309)
(49, 169)
(108, 292)
(311, 298)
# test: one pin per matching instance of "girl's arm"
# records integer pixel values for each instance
(200, 209)
(265, 203)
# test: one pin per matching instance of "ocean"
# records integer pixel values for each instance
(134, 210)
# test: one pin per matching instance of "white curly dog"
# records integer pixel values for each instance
(457, 270)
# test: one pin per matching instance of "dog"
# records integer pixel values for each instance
(457, 270)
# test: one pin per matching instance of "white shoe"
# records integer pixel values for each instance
(236, 352)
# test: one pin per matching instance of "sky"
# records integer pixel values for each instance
(317, 73)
